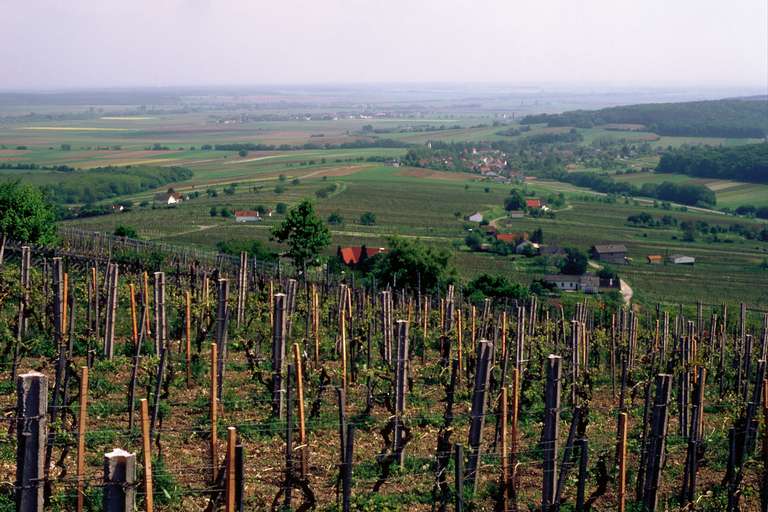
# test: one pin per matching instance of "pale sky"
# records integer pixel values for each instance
(48, 44)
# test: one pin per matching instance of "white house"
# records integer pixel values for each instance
(169, 198)
(679, 259)
(476, 217)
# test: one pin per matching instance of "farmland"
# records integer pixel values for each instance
(421, 204)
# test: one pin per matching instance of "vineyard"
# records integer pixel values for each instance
(217, 384)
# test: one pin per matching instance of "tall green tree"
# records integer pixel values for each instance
(304, 232)
(25, 215)
(575, 262)
(407, 263)
(515, 201)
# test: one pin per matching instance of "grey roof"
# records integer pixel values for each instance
(610, 248)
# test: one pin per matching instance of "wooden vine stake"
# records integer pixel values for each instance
(214, 412)
(304, 449)
(188, 333)
(81, 427)
(622, 476)
(230, 493)
(147, 454)
(504, 453)
(134, 319)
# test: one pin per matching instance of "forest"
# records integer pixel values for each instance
(88, 186)
(735, 118)
(743, 163)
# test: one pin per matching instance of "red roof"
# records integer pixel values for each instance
(511, 237)
(247, 213)
(351, 255)
(533, 203)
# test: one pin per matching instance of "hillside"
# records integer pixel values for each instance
(737, 118)
(65, 185)
(744, 163)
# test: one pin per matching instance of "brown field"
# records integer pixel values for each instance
(417, 172)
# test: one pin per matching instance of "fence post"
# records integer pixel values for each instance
(81, 426)
(551, 431)
(119, 481)
(656, 442)
(214, 410)
(109, 326)
(459, 477)
(278, 355)
(347, 478)
(479, 401)
(222, 323)
(401, 384)
(159, 307)
(622, 451)
(231, 488)
(147, 455)
(31, 435)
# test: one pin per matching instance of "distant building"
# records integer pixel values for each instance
(526, 247)
(552, 250)
(169, 198)
(475, 217)
(353, 255)
(679, 259)
(533, 203)
(610, 253)
(654, 259)
(247, 216)
(587, 283)
(512, 238)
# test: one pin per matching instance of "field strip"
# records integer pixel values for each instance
(258, 158)
(127, 118)
(75, 129)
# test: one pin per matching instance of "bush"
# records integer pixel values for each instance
(126, 231)
(368, 219)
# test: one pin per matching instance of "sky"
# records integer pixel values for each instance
(50, 44)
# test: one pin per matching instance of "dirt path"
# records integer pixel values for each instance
(626, 291)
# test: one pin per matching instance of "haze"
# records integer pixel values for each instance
(50, 44)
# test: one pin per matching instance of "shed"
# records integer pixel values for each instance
(475, 217)
(611, 253)
(680, 259)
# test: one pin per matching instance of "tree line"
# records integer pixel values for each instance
(743, 163)
(733, 118)
(89, 186)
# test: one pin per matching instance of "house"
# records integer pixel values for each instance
(534, 204)
(564, 282)
(587, 283)
(552, 250)
(654, 259)
(168, 198)
(247, 216)
(475, 217)
(353, 255)
(511, 238)
(679, 259)
(516, 214)
(526, 247)
(610, 253)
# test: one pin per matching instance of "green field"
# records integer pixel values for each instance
(416, 203)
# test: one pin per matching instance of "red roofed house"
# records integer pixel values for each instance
(511, 238)
(533, 203)
(247, 216)
(353, 255)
